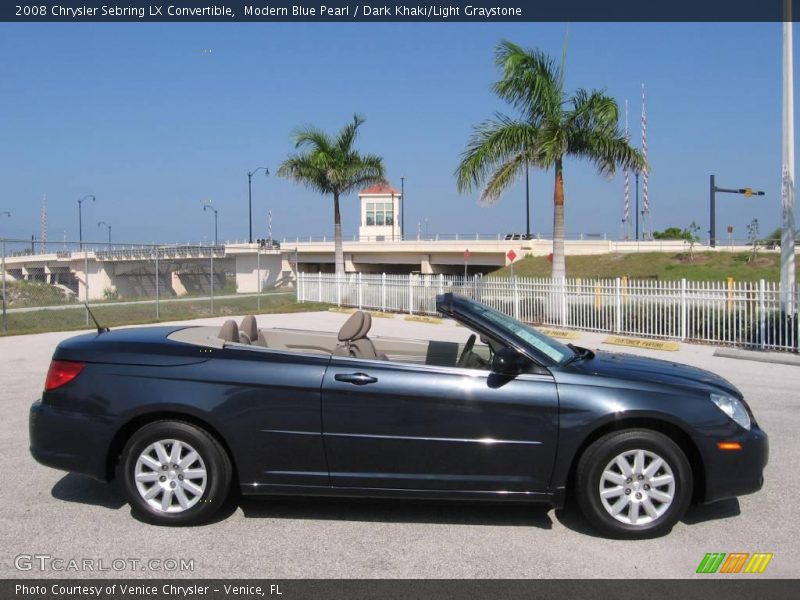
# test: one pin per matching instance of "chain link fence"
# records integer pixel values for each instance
(47, 287)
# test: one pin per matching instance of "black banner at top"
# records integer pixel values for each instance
(373, 11)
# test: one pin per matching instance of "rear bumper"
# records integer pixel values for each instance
(738, 472)
(69, 441)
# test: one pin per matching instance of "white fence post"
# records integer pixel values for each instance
(319, 286)
(359, 283)
(338, 289)
(684, 310)
(563, 301)
(762, 309)
(617, 305)
(441, 283)
(411, 294)
(383, 291)
(516, 297)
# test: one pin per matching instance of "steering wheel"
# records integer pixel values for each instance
(462, 360)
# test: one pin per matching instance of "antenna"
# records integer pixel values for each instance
(100, 328)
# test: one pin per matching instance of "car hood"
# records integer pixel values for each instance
(628, 367)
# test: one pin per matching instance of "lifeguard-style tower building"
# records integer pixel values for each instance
(380, 213)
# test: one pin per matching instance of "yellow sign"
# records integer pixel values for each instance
(638, 343)
(748, 191)
(559, 333)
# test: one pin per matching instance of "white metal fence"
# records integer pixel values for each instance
(732, 313)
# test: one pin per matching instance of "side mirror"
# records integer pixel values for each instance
(509, 362)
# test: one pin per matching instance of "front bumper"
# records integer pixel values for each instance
(730, 473)
(69, 441)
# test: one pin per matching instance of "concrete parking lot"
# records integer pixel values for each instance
(47, 512)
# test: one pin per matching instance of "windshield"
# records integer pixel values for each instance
(549, 347)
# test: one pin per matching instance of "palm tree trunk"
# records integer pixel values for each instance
(337, 236)
(559, 264)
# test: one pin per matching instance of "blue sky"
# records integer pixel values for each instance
(155, 118)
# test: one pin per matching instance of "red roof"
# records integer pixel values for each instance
(381, 188)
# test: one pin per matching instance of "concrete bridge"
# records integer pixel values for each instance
(187, 269)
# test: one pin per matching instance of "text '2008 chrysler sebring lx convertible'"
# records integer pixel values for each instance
(181, 414)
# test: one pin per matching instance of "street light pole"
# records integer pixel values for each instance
(3, 273)
(250, 196)
(206, 206)
(527, 205)
(100, 224)
(80, 217)
(402, 208)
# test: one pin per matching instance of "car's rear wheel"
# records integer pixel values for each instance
(175, 473)
(633, 484)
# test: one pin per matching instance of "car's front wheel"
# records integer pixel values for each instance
(175, 473)
(633, 484)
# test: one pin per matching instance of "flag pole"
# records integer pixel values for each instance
(787, 175)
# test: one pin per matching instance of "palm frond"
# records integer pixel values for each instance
(608, 151)
(530, 81)
(493, 143)
(503, 177)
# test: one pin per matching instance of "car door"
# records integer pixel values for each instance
(271, 412)
(409, 426)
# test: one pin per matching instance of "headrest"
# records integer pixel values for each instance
(365, 327)
(352, 327)
(249, 327)
(229, 331)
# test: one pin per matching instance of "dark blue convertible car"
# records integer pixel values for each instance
(182, 414)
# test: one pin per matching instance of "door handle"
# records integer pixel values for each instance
(355, 378)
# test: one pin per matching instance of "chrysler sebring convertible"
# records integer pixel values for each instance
(181, 415)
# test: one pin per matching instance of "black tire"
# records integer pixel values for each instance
(598, 456)
(217, 465)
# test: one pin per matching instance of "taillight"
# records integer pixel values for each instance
(61, 372)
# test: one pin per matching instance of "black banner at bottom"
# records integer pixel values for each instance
(737, 588)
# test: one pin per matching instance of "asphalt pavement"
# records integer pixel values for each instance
(78, 522)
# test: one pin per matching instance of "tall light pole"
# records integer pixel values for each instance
(788, 234)
(527, 205)
(250, 196)
(100, 224)
(3, 273)
(80, 217)
(208, 206)
(402, 207)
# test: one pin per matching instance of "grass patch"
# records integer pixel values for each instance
(67, 319)
(707, 266)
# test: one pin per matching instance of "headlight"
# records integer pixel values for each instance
(733, 408)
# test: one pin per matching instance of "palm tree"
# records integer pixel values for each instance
(331, 166)
(551, 126)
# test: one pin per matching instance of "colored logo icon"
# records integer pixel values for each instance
(734, 562)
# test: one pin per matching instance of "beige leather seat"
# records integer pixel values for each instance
(353, 337)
